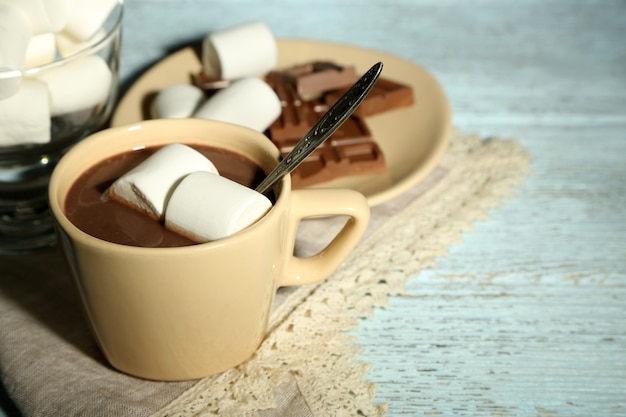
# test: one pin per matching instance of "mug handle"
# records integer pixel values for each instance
(308, 203)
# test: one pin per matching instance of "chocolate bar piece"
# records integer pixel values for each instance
(349, 151)
(312, 80)
(306, 92)
(297, 116)
(385, 95)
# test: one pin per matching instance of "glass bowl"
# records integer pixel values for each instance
(26, 224)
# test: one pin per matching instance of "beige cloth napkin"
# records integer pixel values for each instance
(307, 366)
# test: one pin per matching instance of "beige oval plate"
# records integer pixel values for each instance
(412, 138)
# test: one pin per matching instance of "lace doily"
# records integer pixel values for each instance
(308, 358)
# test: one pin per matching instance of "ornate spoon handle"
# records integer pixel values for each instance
(324, 128)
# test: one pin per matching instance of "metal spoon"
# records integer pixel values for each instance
(324, 128)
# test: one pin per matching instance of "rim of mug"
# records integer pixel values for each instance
(62, 220)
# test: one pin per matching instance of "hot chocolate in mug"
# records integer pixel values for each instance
(186, 312)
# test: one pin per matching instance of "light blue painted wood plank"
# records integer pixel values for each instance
(473, 344)
(528, 315)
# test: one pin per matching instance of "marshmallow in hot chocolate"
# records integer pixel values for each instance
(206, 207)
(181, 187)
(149, 185)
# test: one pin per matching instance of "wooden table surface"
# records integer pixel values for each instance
(528, 315)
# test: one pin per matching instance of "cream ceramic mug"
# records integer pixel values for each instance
(188, 312)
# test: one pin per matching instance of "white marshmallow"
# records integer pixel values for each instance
(87, 17)
(10, 81)
(207, 207)
(67, 45)
(77, 85)
(46, 15)
(177, 101)
(249, 102)
(25, 116)
(149, 185)
(241, 51)
(41, 50)
(15, 34)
